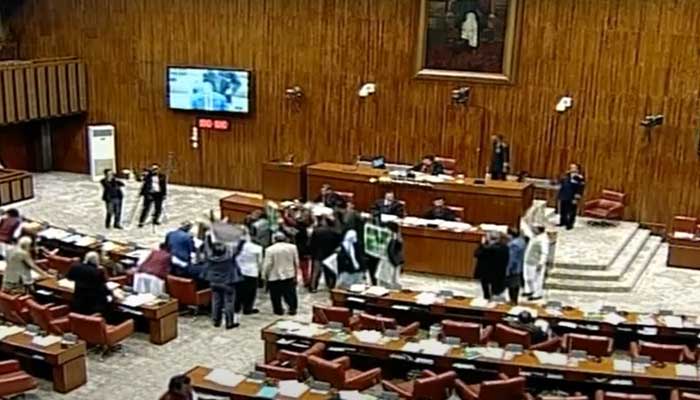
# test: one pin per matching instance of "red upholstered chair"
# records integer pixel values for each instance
(60, 264)
(349, 197)
(684, 224)
(610, 205)
(186, 293)
(677, 395)
(379, 323)
(95, 331)
(599, 346)
(14, 381)
(505, 335)
(429, 386)
(662, 352)
(290, 364)
(602, 395)
(503, 389)
(450, 164)
(467, 332)
(50, 318)
(14, 308)
(341, 376)
(325, 314)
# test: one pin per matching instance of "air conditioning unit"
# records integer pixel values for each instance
(102, 150)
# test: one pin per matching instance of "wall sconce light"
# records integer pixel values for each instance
(650, 122)
(564, 104)
(294, 93)
(461, 95)
(367, 90)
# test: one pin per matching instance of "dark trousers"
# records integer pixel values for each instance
(222, 303)
(328, 276)
(372, 263)
(245, 294)
(567, 213)
(513, 293)
(151, 199)
(113, 207)
(283, 290)
(490, 288)
(498, 175)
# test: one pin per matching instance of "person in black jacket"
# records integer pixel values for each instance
(330, 198)
(112, 196)
(350, 266)
(91, 292)
(389, 268)
(491, 264)
(441, 211)
(154, 190)
(388, 205)
(500, 158)
(428, 165)
(223, 274)
(570, 192)
(323, 243)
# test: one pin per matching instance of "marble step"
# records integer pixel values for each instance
(592, 248)
(627, 281)
(615, 270)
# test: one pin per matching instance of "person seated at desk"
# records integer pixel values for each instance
(180, 245)
(388, 205)
(441, 211)
(330, 198)
(91, 294)
(180, 388)
(428, 165)
(18, 271)
(157, 263)
(539, 330)
(10, 224)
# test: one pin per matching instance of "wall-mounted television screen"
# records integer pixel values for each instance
(209, 89)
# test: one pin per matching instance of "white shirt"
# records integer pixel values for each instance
(155, 184)
(249, 259)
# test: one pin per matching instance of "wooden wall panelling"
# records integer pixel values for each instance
(32, 98)
(73, 98)
(82, 88)
(52, 84)
(9, 96)
(2, 102)
(63, 94)
(42, 95)
(20, 94)
(618, 59)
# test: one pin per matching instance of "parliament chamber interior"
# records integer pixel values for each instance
(350, 199)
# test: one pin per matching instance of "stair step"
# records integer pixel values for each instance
(589, 247)
(627, 281)
(615, 270)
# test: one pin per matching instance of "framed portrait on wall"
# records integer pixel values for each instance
(474, 40)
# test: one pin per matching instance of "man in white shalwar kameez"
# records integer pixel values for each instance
(536, 263)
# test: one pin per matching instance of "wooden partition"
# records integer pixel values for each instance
(41, 89)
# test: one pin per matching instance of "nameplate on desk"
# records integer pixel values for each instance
(38, 357)
(463, 366)
(402, 357)
(401, 307)
(130, 311)
(356, 300)
(285, 342)
(336, 349)
(425, 361)
(44, 292)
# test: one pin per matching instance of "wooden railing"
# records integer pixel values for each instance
(40, 89)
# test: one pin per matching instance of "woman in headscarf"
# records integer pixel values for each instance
(350, 268)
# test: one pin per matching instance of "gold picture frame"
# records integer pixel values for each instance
(510, 25)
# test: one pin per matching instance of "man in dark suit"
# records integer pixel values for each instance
(153, 190)
(570, 192)
(388, 205)
(500, 158)
(441, 211)
(112, 196)
(330, 198)
(428, 165)
(91, 293)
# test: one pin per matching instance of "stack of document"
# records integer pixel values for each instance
(482, 303)
(137, 300)
(622, 365)
(85, 241)
(110, 246)
(489, 352)
(376, 291)
(433, 347)
(54, 233)
(358, 288)
(65, 283)
(224, 378)
(687, 370)
(614, 319)
(46, 341)
(367, 336)
(494, 228)
(6, 331)
(354, 395)
(557, 359)
(292, 389)
(672, 321)
(646, 319)
(288, 325)
(426, 298)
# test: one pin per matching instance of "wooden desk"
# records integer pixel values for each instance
(683, 253)
(160, 318)
(283, 181)
(15, 186)
(657, 377)
(403, 306)
(68, 366)
(244, 390)
(497, 202)
(438, 251)
(236, 207)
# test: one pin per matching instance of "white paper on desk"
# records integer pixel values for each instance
(358, 288)
(110, 246)
(53, 233)
(683, 235)
(426, 298)
(140, 253)
(433, 347)
(672, 321)
(554, 312)
(65, 283)
(490, 352)
(482, 303)
(494, 228)
(112, 285)
(46, 341)
(646, 319)
(686, 370)
(366, 336)
(377, 291)
(353, 395)
(386, 218)
(412, 347)
(224, 378)
(622, 365)
(614, 319)
(519, 309)
(85, 241)
(137, 300)
(6, 331)
(292, 389)
(567, 324)
(556, 359)
(288, 325)
(648, 331)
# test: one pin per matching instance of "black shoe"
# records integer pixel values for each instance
(118, 227)
(253, 311)
(535, 298)
(140, 224)
(217, 324)
(290, 312)
(156, 223)
(232, 326)
(278, 313)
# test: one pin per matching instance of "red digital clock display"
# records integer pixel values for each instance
(214, 124)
